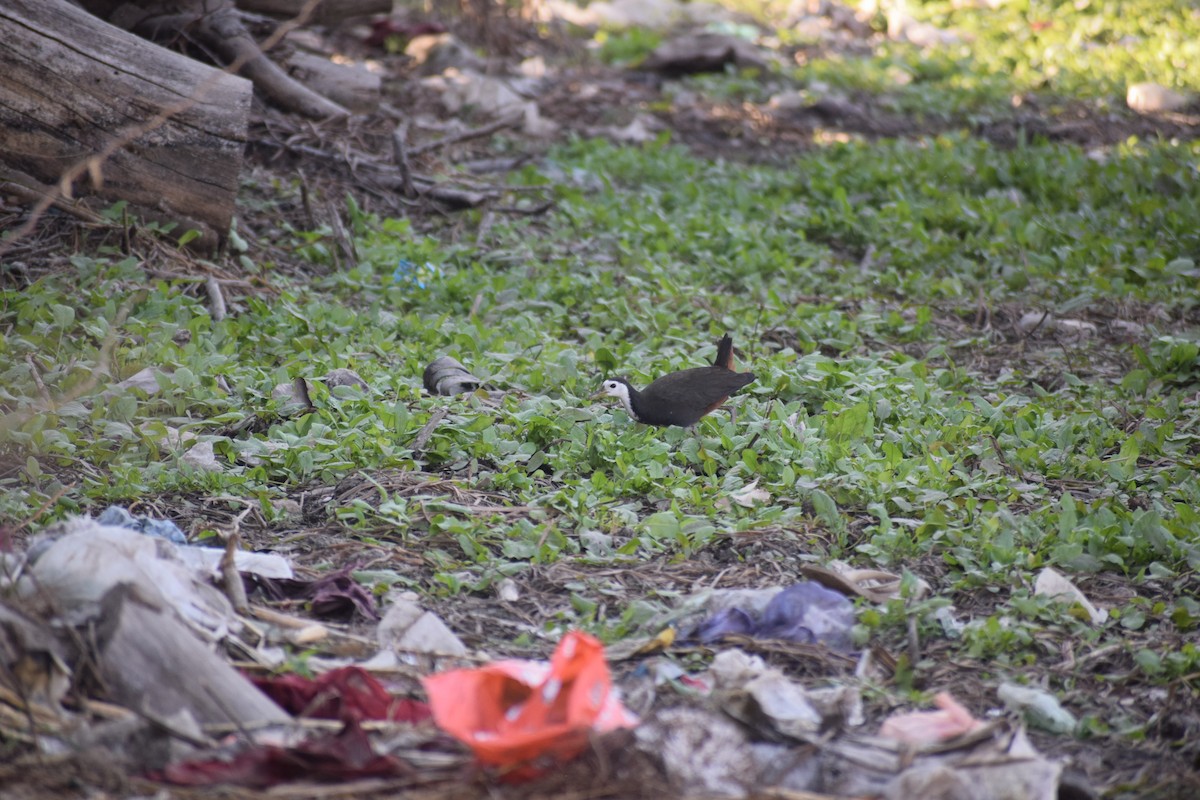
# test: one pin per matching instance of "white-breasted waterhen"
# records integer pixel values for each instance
(681, 398)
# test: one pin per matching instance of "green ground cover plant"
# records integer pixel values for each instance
(845, 279)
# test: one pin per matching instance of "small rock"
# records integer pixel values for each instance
(1075, 328)
(1032, 321)
(508, 591)
(1150, 98)
(287, 509)
(636, 132)
(1130, 330)
(703, 52)
(201, 456)
(790, 100)
(436, 53)
(344, 377)
(293, 393)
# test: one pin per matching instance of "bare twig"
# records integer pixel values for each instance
(400, 156)
(533, 211)
(485, 227)
(473, 133)
(235, 590)
(423, 435)
(37, 378)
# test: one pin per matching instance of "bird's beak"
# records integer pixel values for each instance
(596, 395)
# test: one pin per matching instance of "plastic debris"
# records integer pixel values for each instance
(415, 275)
(806, 613)
(1039, 708)
(348, 693)
(873, 584)
(524, 715)
(1051, 583)
(120, 517)
(78, 569)
(928, 727)
(335, 595)
(144, 380)
(1150, 98)
(754, 693)
(406, 627)
(343, 756)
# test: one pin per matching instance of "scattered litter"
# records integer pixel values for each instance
(335, 595)
(343, 756)
(641, 129)
(874, 585)
(753, 693)
(32, 661)
(149, 661)
(657, 15)
(1053, 584)
(929, 727)
(747, 497)
(348, 693)
(1150, 98)
(120, 517)
(144, 380)
(435, 52)
(408, 628)
(79, 567)
(521, 715)
(417, 276)
(703, 753)
(508, 591)
(806, 613)
(446, 376)
(1040, 708)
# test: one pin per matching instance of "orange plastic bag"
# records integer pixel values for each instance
(515, 713)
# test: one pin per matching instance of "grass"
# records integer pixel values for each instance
(861, 418)
(887, 424)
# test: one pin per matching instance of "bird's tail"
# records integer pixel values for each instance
(725, 353)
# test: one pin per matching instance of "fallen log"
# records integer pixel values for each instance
(91, 111)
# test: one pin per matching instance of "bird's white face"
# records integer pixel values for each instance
(619, 390)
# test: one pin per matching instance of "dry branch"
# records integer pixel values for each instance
(326, 12)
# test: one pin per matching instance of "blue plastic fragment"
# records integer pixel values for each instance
(416, 275)
(162, 528)
(805, 613)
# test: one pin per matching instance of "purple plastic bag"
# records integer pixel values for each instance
(806, 613)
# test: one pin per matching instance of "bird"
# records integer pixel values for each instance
(681, 398)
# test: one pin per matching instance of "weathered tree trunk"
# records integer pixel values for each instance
(217, 27)
(98, 112)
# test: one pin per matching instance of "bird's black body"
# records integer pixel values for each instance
(682, 398)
